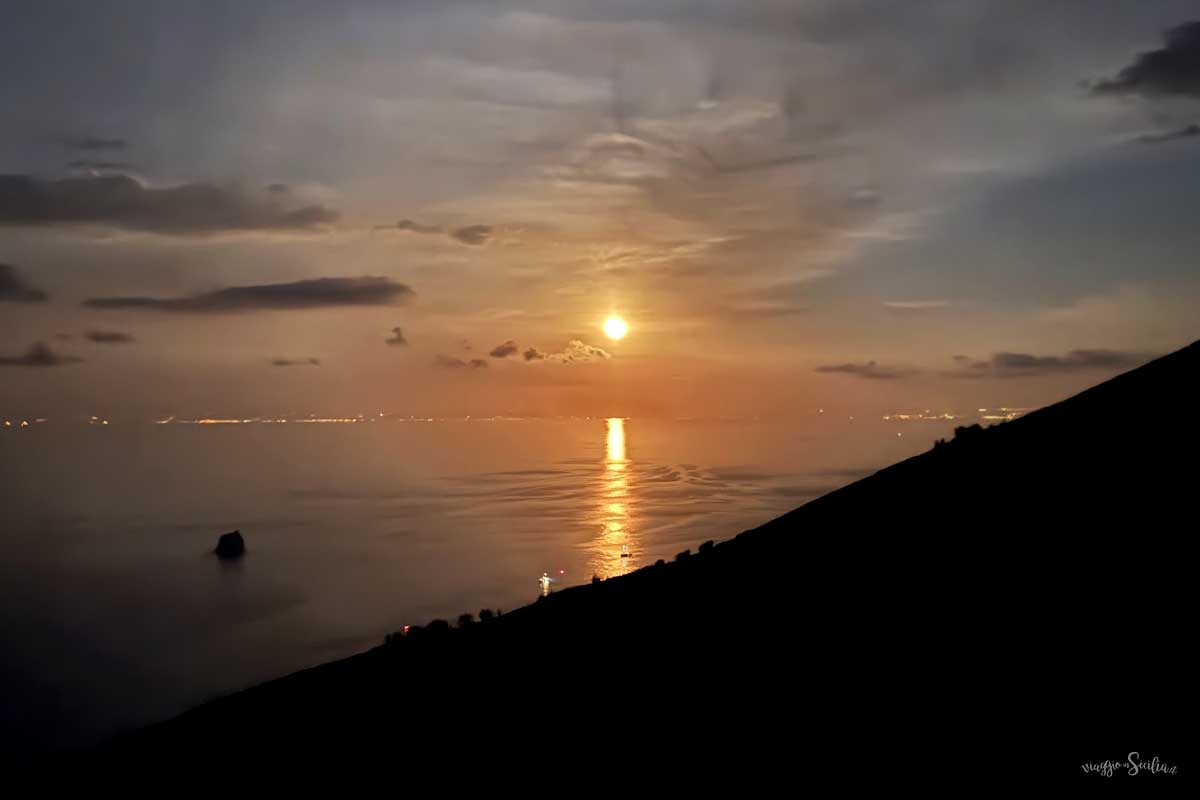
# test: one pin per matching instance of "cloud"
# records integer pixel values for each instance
(870, 370)
(123, 202)
(457, 363)
(504, 350)
(414, 227)
(780, 299)
(757, 164)
(1171, 70)
(300, 362)
(576, 352)
(1018, 365)
(1186, 132)
(108, 337)
(397, 337)
(95, 143)
(472, 234)
(39, 354)
(87, 163)
(916, 305)
(14, 288)
(316, 293)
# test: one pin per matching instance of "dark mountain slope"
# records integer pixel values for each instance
(1002, 607)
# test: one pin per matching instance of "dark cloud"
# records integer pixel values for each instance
(757, 164)
(317, 293)
(1186, 132)
(1171, 70)
(299, 362)
(109, 337)
(533, 354)
(38, 355)
(870, 370)
(504, 350)
(457, 363)
(124, 202)
(961, 359)
(397, 337)
(472, 234)
(95, 143)
(414, 227)
(15, 289)
(1016, 365)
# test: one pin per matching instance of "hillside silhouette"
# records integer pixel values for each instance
(1004, 606)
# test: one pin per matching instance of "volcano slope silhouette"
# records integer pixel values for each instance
(1011, 600)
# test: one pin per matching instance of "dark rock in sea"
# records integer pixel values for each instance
(231, 545)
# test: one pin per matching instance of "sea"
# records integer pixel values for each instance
(115, 612)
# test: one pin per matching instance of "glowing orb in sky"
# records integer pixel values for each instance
(615, 328)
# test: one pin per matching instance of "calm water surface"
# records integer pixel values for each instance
(114, 612)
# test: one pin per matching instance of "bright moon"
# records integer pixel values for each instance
(615, 328)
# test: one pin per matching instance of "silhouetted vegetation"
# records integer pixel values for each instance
(965, 432)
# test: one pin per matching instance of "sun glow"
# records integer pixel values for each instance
(615, 328)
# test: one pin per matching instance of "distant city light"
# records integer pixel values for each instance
(1002, 414)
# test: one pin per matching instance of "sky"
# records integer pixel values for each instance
(236, 208)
